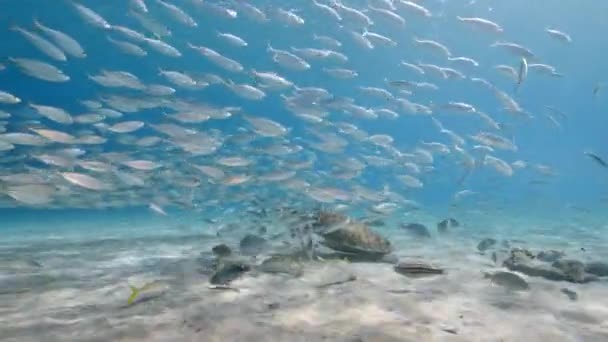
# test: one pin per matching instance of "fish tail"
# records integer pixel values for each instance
(134, 294)
(464, 176)
(468, 170)
(516, 87)
(252, 74)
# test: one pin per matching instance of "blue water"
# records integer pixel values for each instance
(563, 211)
(581, 62)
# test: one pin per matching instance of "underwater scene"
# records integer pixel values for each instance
(303, 170)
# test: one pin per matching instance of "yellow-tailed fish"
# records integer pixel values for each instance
(136, 292)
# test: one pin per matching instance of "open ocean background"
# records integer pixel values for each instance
(582, 62)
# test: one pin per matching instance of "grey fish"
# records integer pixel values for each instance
(228, 272)
(444, 225)
(40, 70)
(252, 245)
(221, 250)
(508, 280)
(486, 244)
(417, 269)
(64, 41)
(282, 264)
(417, 229)
(572, 295)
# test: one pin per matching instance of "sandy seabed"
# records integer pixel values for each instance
(80, 294)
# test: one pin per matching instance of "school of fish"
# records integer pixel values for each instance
(167, 140)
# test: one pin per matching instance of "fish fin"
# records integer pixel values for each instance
(516, 88)
(269, 47)
(467, 172)
(134, 294)
(148, 286)
(463, 177)
(255, 79)
(37, 23)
